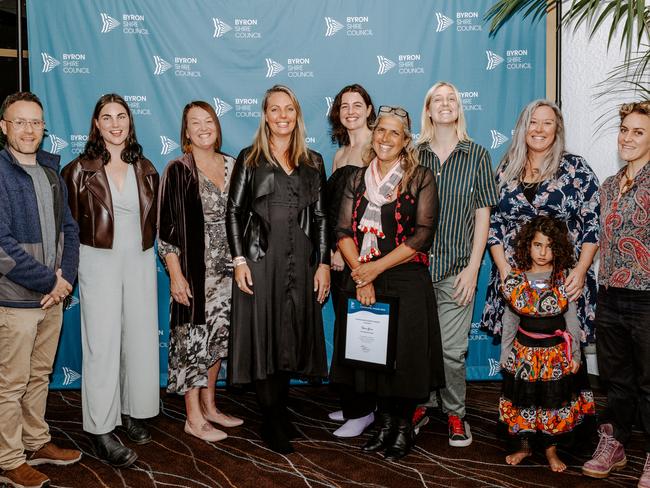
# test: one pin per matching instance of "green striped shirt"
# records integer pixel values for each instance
(465, 183)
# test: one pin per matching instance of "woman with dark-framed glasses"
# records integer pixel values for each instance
(386, 223)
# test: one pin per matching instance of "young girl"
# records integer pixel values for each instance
(540, 350)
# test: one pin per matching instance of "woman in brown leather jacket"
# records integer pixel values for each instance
(277, 234)
(112, 191)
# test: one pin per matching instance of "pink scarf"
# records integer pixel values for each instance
(379, 191)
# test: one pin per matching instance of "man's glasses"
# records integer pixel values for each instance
(399, 111)
(22, 124)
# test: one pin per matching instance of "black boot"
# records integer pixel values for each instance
(287, 425)
(384, 434)
(274, 434)
(135, 430)
(110, 450)
(403, 441)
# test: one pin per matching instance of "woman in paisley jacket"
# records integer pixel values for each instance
(623, 312)
(538, 177)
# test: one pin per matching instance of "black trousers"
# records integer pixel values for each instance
(354, 405)
(623, 344)
(400, 408)
(273, 393)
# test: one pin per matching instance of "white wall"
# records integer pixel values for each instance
(585, 63)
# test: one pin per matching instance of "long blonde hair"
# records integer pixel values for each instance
(409, 156)
(297, 151)
(428, 127)
(513, 164)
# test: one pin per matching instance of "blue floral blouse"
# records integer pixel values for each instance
(572, 196)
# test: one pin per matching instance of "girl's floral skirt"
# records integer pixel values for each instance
(540, 394)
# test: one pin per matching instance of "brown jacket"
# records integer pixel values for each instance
(89, 196)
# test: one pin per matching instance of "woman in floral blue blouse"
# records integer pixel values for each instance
(538, 177)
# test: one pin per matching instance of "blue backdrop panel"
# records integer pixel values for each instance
(160, 54)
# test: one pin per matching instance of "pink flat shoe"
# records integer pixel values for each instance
(224, 420)
(207, 433)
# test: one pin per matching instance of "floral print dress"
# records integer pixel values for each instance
(572, 197)
(540, 394)
(194, 348)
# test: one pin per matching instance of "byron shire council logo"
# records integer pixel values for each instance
(73, 302)
(329, 101)
(221, 107)
(69, 376)
(272, 68)
(385, 65)
(444, 22)
(333, 26)
(167, 145)
(494, 60)
(161, 65)
(495, 367)
(108, 23)
(49, 63)
(498, 139)
(57, 144)
(220, 27)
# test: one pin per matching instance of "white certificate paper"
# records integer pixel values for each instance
(366, 335)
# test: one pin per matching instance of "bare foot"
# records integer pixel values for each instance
(517, 457)
(554, 462)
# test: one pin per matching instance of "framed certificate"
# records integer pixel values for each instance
(370, 333)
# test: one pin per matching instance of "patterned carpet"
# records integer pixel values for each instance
(175, 459)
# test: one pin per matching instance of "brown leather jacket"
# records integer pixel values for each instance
(91, 205)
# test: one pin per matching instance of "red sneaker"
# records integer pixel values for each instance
(420, 419)
(459, 433)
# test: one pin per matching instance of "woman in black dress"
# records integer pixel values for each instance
(277, 233)
(350, 119)
(386, 224)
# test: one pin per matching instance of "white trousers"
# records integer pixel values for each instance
(119, 336)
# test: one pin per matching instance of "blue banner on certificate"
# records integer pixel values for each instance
(370, 333)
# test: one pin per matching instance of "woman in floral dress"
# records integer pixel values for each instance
(193, 200)
(538, 177)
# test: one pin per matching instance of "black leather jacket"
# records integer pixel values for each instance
(247, 217)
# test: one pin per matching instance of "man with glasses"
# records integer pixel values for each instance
(39, 253)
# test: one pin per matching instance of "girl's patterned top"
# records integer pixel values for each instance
(546, 301)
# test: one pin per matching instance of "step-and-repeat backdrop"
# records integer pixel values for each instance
(160, 54)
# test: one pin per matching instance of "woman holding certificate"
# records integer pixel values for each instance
(387, 219)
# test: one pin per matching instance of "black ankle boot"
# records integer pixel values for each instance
(384, 434)
(109, 450)
(287, 425)
(403, 441)
(135, 430)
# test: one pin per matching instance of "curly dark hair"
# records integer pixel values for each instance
(338, 132)
(96, 147)
(556, 231)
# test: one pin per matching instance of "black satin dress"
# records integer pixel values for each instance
(280, 327)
